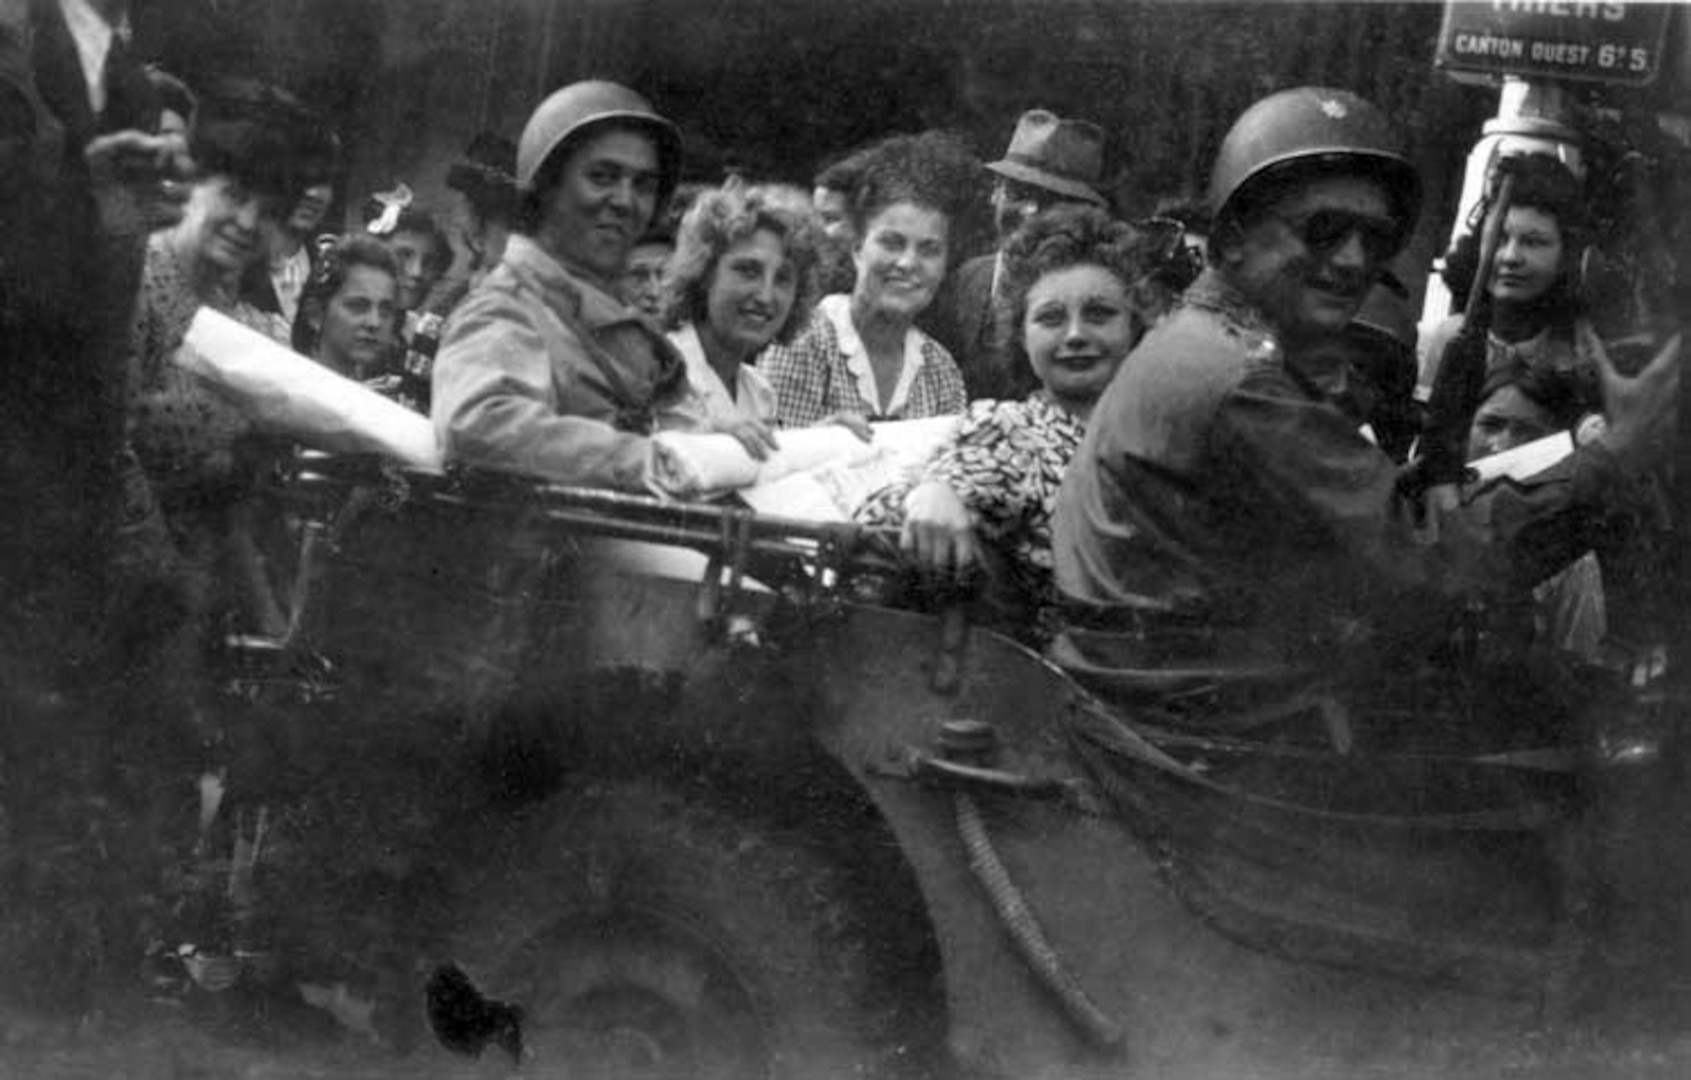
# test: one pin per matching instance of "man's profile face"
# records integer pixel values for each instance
(1308, 259)
(833, 209)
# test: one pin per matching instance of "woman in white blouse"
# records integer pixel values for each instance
(743, 276)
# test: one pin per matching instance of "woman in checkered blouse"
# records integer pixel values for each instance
(861, 356)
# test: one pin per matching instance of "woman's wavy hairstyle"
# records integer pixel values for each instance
(722, 217)
(337, 255)
(1076, 234)
(1544, 184)
(932, 169)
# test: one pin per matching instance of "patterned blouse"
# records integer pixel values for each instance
(190, 439)
(1006, 463)
(826, 370)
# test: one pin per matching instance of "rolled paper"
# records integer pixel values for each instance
(287, 394)
(692, 465)
(1525, 460)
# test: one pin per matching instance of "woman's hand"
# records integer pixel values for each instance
(938, 530)
(856, 423)
(1641, 412)
(138, 181)
(756, 436)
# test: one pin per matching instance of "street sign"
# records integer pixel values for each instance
(1615, 43)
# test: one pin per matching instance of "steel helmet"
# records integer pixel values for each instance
(579, 106)
(1317, 129)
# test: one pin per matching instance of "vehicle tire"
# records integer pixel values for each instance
(648, 933)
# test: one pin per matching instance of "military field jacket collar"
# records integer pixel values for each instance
(1213, 292)
(589, 301)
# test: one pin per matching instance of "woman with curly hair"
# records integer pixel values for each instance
(1530, 314)
(743, 275)
(1080, 290)
(861, 355)
(349, 308)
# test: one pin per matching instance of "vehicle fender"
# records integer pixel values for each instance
(1186, 1000)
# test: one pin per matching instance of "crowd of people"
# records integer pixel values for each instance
(576, 297)
(1204, 446)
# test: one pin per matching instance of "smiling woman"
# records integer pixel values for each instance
(184, 432)
(247, 179)
(1080, 290)
(200, 453)
(862, 356)
(743, 276)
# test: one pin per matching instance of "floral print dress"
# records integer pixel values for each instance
(1006, 464)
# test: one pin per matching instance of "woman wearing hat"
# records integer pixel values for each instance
(189, 531)
(862, 355)
(544, 370)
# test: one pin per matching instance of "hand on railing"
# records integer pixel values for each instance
(939, 531)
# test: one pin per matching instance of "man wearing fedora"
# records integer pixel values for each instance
(1051, 160)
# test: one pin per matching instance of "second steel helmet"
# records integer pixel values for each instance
(579, 106)
(1312, 129)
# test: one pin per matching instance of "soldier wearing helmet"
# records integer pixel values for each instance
(1225, 523)
(544, 370)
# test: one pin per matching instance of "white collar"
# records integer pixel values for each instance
(837, 310)
(687, 343)
(752, 396)
(93, 36)
(299, 259)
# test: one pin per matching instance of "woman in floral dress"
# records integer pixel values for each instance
(1080, 294)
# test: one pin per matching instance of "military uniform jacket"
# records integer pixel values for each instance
(543, 372)
(1218, 489)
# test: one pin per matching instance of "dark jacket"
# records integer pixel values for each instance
(66, 294)
(1218, 488)
(965, 320)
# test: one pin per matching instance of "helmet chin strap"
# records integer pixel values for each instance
(1384, 276)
